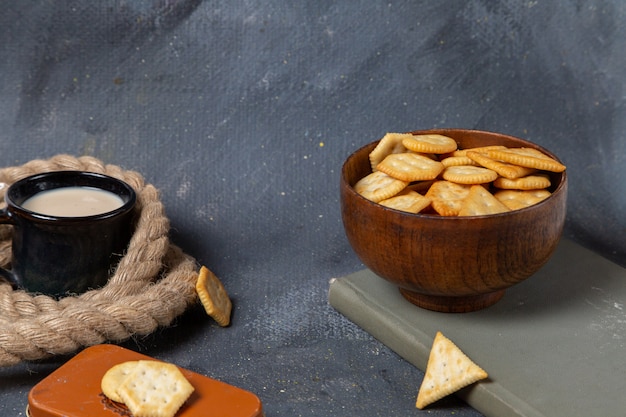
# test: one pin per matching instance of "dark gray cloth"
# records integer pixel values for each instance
(242, 113)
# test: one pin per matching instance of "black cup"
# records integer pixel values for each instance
(58, 255)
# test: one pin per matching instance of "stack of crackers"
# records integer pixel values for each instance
(427, 173)
(148, 388)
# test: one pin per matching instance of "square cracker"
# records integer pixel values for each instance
(527, 157)
(410, 167)
(448, 370)
(390, 143)
(408, 200)
(379, 186)
(480, 202)
(155, 389)
(114, 377)
(502, 168)
(213, 296)
(447, 197)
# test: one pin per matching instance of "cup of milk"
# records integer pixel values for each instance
(70, 228)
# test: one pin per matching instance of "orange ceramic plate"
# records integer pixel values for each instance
(73, 390)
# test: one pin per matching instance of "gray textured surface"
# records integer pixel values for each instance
(241, 114)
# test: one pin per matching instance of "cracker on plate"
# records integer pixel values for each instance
(114, 377)
(155, 389)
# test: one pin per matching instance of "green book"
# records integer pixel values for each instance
(554, 345)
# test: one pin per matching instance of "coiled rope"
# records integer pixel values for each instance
(153, 283)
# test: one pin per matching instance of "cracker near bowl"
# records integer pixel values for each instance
(447, 371)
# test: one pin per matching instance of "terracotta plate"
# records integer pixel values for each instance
(73, 390)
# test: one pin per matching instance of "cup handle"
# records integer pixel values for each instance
(5, 274)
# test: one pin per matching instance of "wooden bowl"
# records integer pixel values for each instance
(452, 264)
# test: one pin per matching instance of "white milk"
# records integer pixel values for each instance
(73, 202)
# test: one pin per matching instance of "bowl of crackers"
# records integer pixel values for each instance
(453, 217)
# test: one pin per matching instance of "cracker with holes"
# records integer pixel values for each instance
(447, 197)
(431, 165)
(479, 149)
(409, 201)
(410, 167)
(480, 202)
(447, 371)
(529, 182)
(519, 199)
(114, 377)
(213, 296)
(379, 186)
(504, 169)
(155, 389)
(419, 186)
(455, 161)
(527, 157)
(430, 143)
(390, 143)
(469, 174)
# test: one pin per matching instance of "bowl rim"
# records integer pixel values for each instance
(558, 189)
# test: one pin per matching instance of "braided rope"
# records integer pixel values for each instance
(153, 283)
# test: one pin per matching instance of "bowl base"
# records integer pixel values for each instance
(447, 304)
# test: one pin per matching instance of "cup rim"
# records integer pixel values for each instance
(78, 178)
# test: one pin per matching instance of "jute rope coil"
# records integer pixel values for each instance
(153, 283)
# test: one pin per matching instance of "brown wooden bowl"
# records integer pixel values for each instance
(452, 264)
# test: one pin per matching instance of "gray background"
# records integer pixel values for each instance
(242, 113)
